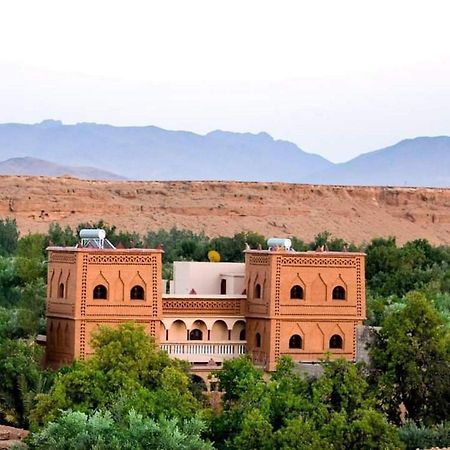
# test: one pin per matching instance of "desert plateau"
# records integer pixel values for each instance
(224, 208)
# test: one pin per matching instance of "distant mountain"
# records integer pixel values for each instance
(151, 153)
(423, 161)
(33, 166)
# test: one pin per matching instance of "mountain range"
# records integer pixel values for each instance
(95, 151)
(34, 166)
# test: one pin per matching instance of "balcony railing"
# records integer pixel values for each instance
(204, 351)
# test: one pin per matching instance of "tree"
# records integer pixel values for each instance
(21, 378)
(9, 236)
(231, 249)
(60, 237)
(255, 432)
(126, 371)
(245, 406)
(411, 362)
(9, 282)
(179, 244)
(30, 257)
(334, 411)
(300, 434)
(391, 270)
(237, 377)
(320, 239)
(298, 245)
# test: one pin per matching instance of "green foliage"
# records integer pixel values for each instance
(298, 244)
(255, 432)
(31, 246)
(9, 282)
(30, 258)
(422, 437)
(179, 244)
(126, 370)
(300, 434)
(334, 411)
(21, 378)
(182, 245)
(441, 302)
(231, 248)
(343, 386)
(411, 362)
(238, 377)
(129, 239)
(244, 398)
(9, 236)
(320, 239)
(100, 430)
(60, 237)
(392, 270)
(324, 239)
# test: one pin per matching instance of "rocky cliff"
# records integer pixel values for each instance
(223, 208)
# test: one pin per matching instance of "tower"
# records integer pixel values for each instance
(303, 304)
(95, 284)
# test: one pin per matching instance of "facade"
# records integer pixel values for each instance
(303, 304)
(89, 287)
(279, 302)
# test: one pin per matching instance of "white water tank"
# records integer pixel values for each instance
(92, 233)
(279, 242)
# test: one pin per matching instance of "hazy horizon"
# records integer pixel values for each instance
(336, 79)
(208, 132)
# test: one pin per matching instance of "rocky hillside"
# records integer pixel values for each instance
(223, 208)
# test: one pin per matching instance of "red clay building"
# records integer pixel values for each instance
(280, 302)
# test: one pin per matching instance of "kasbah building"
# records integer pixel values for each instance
(279, 302)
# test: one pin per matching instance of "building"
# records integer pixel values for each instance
(278, 302)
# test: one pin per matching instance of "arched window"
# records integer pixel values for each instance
(61, 291)
(242, 335)
(137, 293)
(258, 340)
(338, 293)
(295, 341)
(335, 341)
(100, 292)
(195, 335)
(257, 291)
(297, 292)
(223, 286)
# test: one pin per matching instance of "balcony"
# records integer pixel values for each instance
(203, 352)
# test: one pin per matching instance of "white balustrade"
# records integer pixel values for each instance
(206, 349)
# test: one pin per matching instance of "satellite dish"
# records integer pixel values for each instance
(214, 256)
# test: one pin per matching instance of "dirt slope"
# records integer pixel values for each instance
(223, 208)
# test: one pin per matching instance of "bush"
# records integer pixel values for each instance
(422, 437)
(99, 430)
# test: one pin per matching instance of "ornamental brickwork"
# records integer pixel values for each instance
(91, 287)
(303, 304)
(300, 304)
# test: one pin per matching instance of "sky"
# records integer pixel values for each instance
(337, 78)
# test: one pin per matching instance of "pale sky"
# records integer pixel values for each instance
(338, 78)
